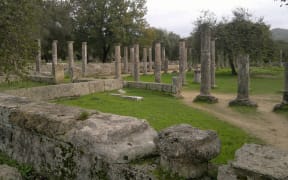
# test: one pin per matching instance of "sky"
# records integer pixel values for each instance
(178, 15)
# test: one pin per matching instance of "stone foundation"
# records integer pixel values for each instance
(58, 142)
(206, 99)
(245, 102)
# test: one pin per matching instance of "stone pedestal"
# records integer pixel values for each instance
(150, 69)
(197, 74)
(38, 57)
(58, 74)
(213, 57)
(185, 150)
(132, 59)
(117, 62)
(84, 58)
(205, 88)
(125, 61)
(284, 104)
(243, 83)
(136, 63)
(144, 61)
(54, 55)
(157, 65)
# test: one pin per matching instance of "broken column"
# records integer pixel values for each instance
(185, 150)
(132, 56)
(213, 57)
(157, 65)
(197, 74)
(144, 61)
(243, 83)
(150, 59)
(84, 58)
(284, 104)
(182, 61)
(136, 63)
(205, 88)
(54, 55)
(125, 60)
(176, 86)
(117, 61)
(38, 57)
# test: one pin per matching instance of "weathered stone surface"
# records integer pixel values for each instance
(182, 61)
(197, 74)
(9, 173)
(38, 57)
(176, 86)
(125, 61)
(151, 86)
(61, 144)
(54, 55)
(213, 57)
(58, 74)
(144, 60)
(70, 55)
(261, 162)
(186, 150)
(75, 74)
(226, 172)
(150, 69)
(132, 59)
(136, 63)
(117, 62)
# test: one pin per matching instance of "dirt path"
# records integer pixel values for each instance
(270, 127)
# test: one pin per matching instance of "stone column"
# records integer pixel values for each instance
(136, 63)
(213, 56)
(157, 65)
(281, 58)
(163, 58)
(182, 61)
(38, 57)
(284, 104)
(185, 59)
(177, 86)
(243, 83)
(150, 59)
(70, 55)
(144, 61)
(132, 56)
(54, 56)
(117, 61)
(84, 58)
(126, 64)
(205, 87)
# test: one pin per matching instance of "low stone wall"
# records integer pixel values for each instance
(62, 143)
(68, 90)
(100, 69)
(168, 88)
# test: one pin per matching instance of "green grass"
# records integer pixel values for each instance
(161, 111)
(20, 84)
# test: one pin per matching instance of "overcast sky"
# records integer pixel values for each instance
(178, 15)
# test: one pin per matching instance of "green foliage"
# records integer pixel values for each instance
(162, 111)
(83, 116)
(105, 22)
(17, 35)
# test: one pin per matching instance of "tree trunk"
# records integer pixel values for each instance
(231, 62)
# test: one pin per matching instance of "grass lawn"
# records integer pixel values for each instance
(161, 111)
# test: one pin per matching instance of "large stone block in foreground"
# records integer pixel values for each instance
(70, 143)
(257, 162)
(185, 150)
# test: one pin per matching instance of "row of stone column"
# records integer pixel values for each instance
(70, 57)
(135, 61)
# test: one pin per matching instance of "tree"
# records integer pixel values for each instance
(18, 26)
(105, 22)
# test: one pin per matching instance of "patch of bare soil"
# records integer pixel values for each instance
(270, 127)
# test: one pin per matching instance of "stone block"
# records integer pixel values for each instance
(167, 88)
(58, 74)
(254, 161)
(9, 173)
(155, 86)
(185, 150)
